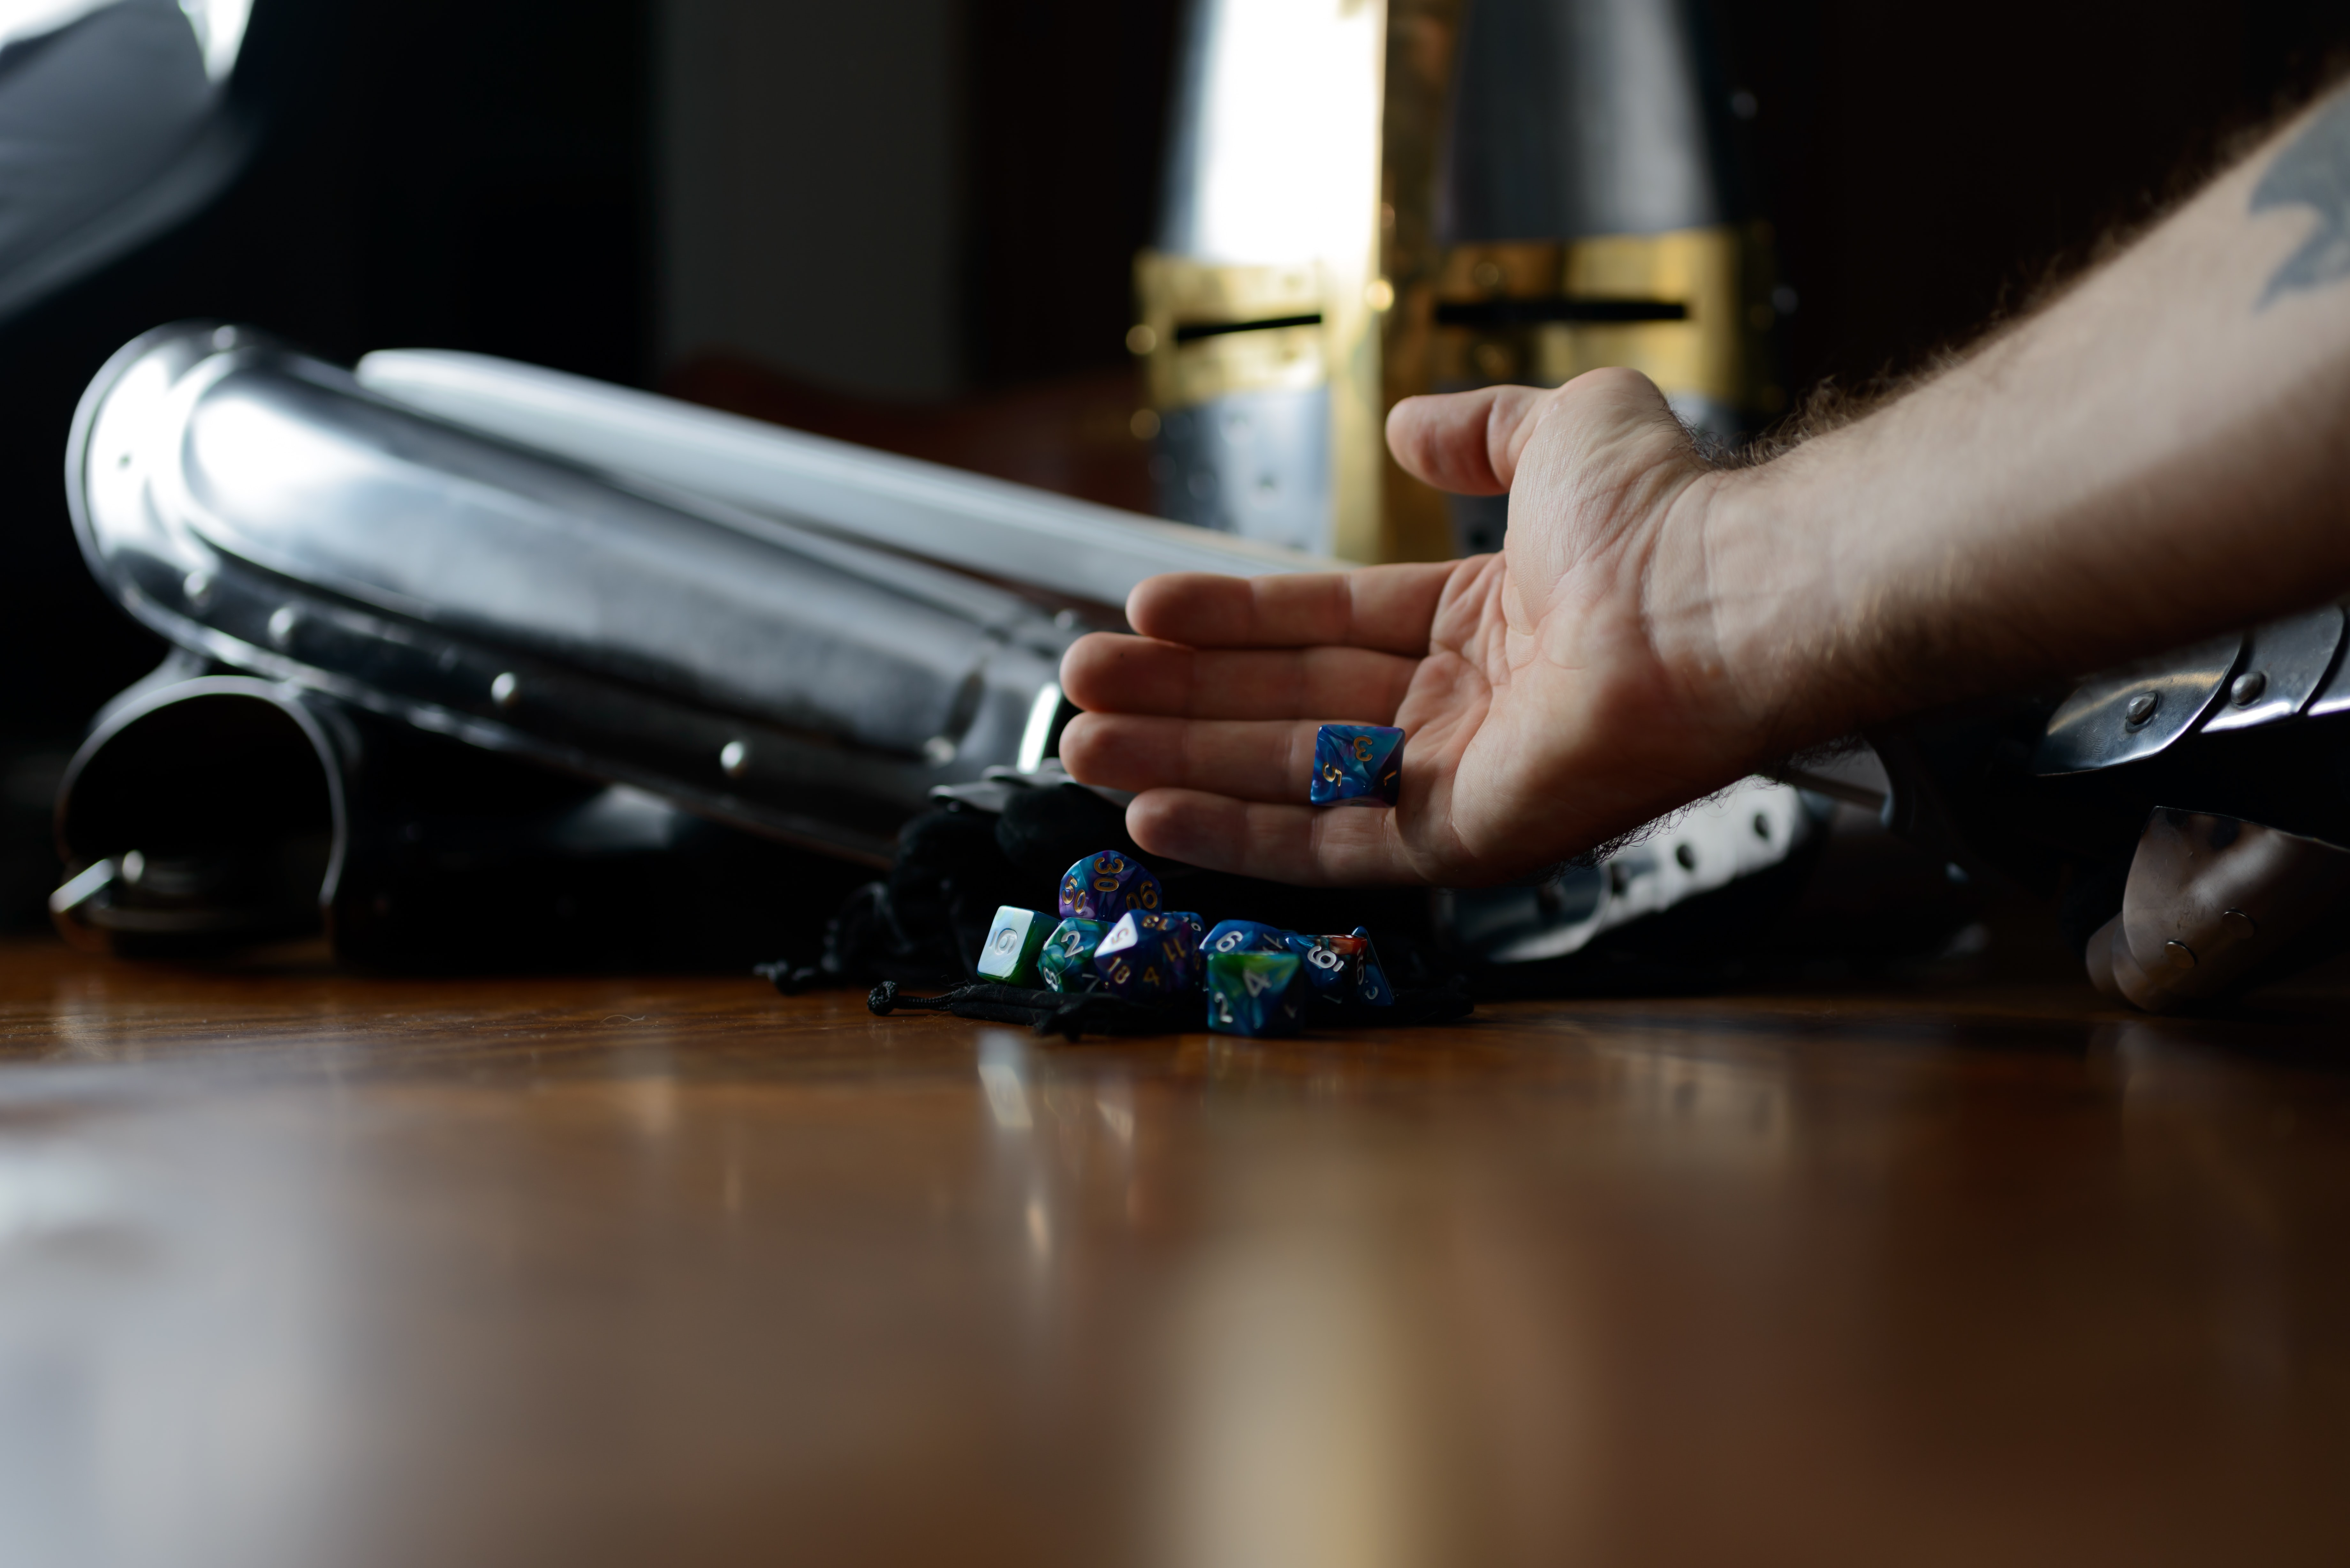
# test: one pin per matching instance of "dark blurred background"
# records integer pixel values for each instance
(911, 222)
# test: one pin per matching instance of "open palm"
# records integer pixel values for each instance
(1556, 695)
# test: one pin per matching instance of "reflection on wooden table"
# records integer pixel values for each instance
(313, 1268)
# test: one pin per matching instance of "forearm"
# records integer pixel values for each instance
(2162, 453)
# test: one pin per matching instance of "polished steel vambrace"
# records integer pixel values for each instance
(2191, 811)
(346, 562)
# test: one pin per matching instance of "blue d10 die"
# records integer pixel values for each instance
(1146, 956)
(1342, 968)
(1370, 979)
(1252, 993)
(1357, 764)
(1105, 885)
(1327, 966)
(1009, 955)
(1068, 961)
(1245, 937)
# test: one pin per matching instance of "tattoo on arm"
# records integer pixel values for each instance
(2314, 171)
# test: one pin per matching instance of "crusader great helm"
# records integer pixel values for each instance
(1363, 200)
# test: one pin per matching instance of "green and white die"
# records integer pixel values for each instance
(1068, 961)
(1009, 955)
(1253, 993)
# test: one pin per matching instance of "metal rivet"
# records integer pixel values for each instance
(225, 337)
(506, 690)
(134, 868)
(1686, 855)
(197, 585)
(2239, 925)
(282, 622)
(2179, 954)
(938, 751)
(734, 759)
(2142, 707)
(2247, 688)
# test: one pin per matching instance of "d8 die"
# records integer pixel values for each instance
(1245, 937)
(1068, 961)
(1146, 956)
(1009, 955)
(1252, 993)
(1357, 764)
(1105, 885)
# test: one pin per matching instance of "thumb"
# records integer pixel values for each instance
(1467, 442)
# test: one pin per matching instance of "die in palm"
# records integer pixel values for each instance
(1357, 764)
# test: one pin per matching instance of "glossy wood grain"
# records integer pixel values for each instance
(308, 1269)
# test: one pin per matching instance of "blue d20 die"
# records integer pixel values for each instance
(1252, 993)
(1178, 936)
(1008, 957)
(1104, 885)
(1146, 956)
(1357, 764)
(1191, 922)
(1068, 961)
(1245, 937)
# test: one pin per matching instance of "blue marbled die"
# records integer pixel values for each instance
(1357, 764)
(1104, 885)
(1342, 968)
(1245, 937)
(1146, 956)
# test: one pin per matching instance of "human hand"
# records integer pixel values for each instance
(1556, 695)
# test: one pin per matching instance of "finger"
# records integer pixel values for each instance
(1267, 760)
(1295, 844)
(1387, 609)
(1110, 673)
(1467, 442)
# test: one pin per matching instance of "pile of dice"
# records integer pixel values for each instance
(1114, 935)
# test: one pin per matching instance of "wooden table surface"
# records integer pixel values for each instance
(311, 1269)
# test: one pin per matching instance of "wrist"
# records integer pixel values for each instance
(1780, 641)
